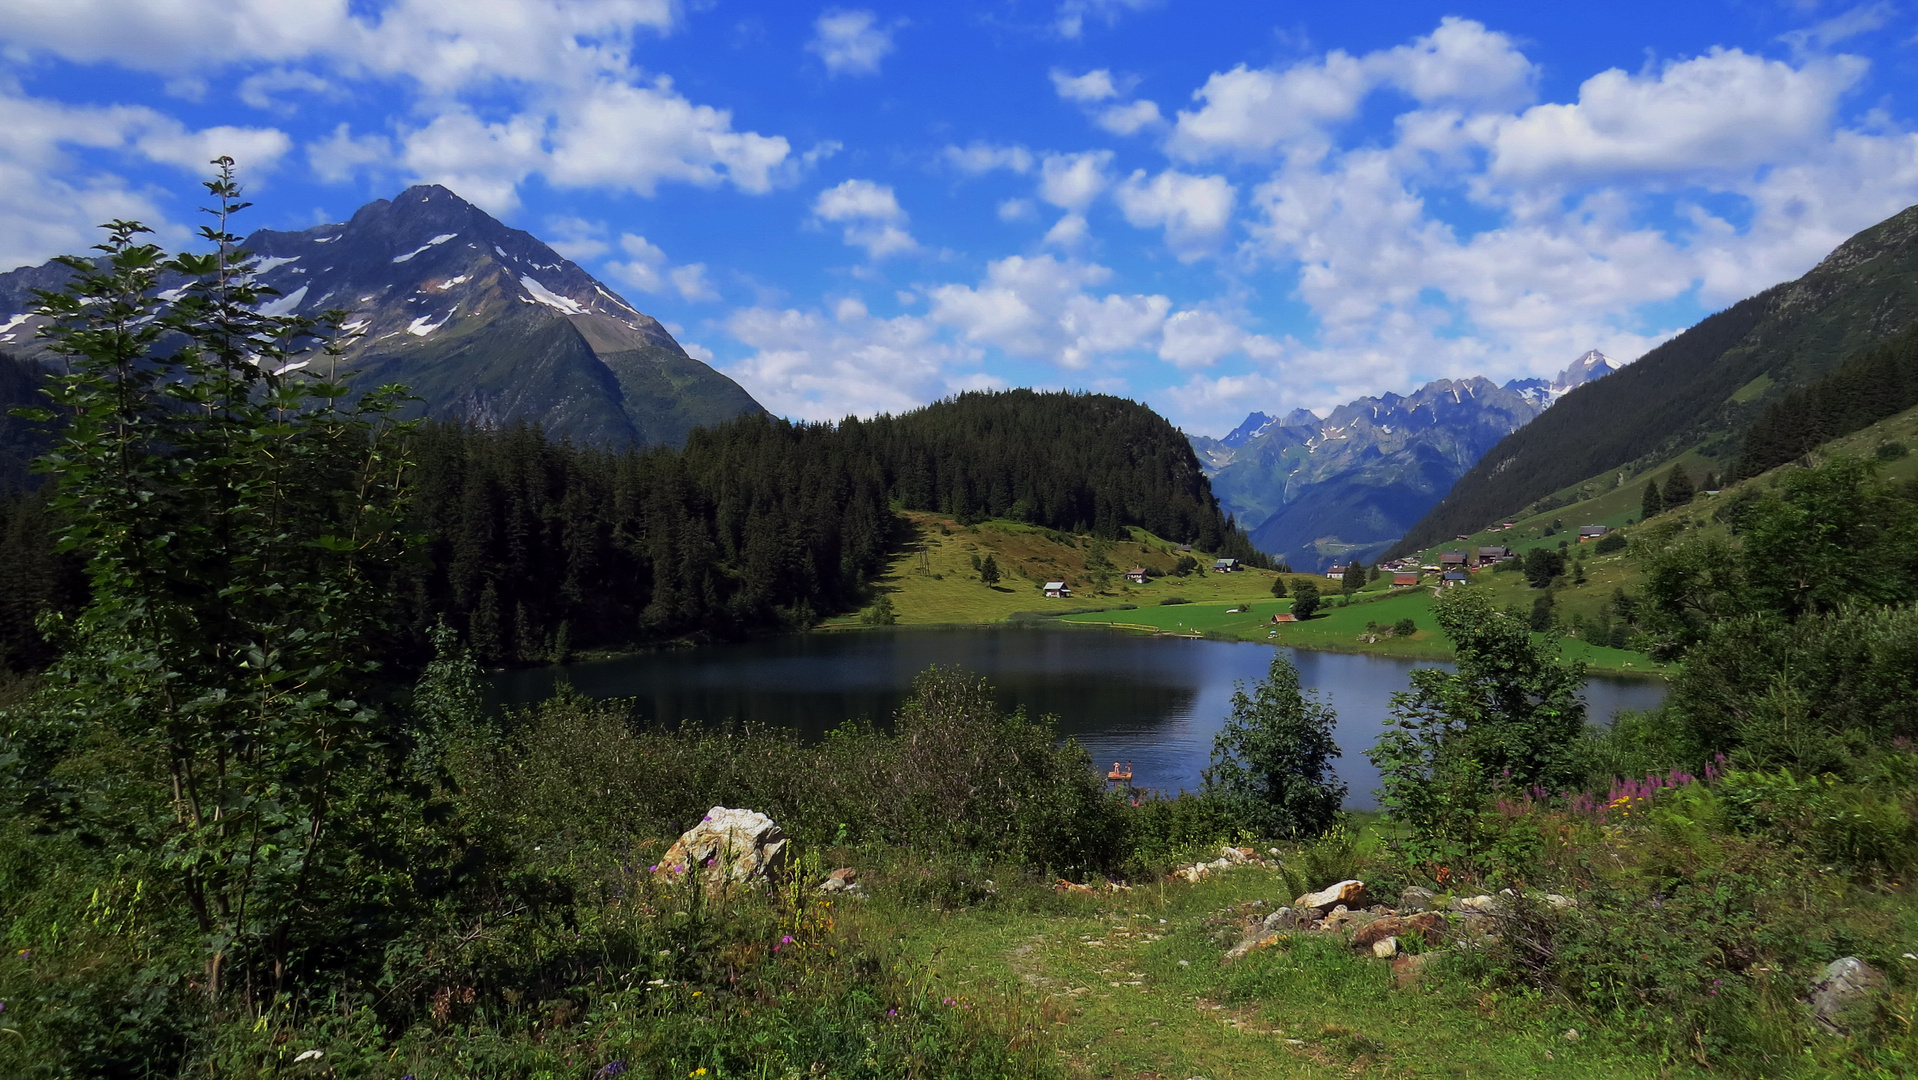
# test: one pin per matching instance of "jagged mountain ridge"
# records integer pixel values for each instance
(1318, 491)
(1700, 390)
(483, 321)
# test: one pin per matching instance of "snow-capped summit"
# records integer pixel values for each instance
(482, 321)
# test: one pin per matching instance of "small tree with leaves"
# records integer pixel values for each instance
(1305, 598)
(238, 512)
(1272, 762)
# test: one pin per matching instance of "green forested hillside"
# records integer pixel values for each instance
(534, 548)
(1701, 389)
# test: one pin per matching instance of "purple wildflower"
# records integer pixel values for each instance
(611, 1068)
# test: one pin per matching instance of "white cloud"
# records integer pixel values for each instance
(1017, 210)
(850, 42)
(1072, 181)
(442, 45)
(634, 137)
(1131, 118)
(1250, 114)
(1460, 63)
(1068, 232)
(576, 238)
(870, 214)
(1200, 338)
(1042, 308)
(342, 155)
(1194, 211)
(1724, 113)
(647, 269)
(51, 199)
(981, 157)
(1820, 36)
(262, 90)
(808, 366)
(1092, 87)
(691, 282)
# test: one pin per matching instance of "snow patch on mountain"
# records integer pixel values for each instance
(550, 298)
(437, 240)
(285, 305)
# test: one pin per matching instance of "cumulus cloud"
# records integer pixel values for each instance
(870, 214)
(1200, 338)
(850, 42)
(1726, 112)
(807, 365)
(1096, 91)
(1072, 181)
(51, 199)
(1042, 308)
(585, 116)
(1194, 211)
(647, 268)
(1092, 87)
(343, 155)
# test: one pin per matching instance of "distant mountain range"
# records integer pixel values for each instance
(1700, 392)
(1320, 491)
(484, 322)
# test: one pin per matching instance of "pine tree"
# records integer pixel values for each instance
(1653, 504)
(1678, 488)
(1278, 586)
(989, 571)
(1354, 578)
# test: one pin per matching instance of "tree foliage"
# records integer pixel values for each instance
(1508, 719)
(1272, 761)
(1305, 597)
(238, 519)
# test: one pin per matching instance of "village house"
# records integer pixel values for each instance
(1452, 560)
(1452, 580)
(1404, 577)
(1057, 590)
(1336, 573)
(1285, 616)
(1136, 575)
(1591, 532)
(1226, 566)
(1489, 555)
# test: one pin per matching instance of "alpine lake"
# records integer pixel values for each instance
(1153, 702)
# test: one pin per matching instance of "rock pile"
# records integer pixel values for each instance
(1229, 857)
(1348, 910)
(844, 880)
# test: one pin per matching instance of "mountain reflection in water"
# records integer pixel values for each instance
(1155, 702)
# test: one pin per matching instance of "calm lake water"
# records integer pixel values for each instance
(1156, 702)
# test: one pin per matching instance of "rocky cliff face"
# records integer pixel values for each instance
(1319, 491)
(482, 321)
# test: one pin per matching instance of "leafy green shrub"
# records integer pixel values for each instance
(1173, 600)
(1161, 833)
(1610, 542)
(1405, 628)
(1272, 760)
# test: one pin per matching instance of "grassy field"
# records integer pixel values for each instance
(1131, 985)
(1345, 629)
(932, 582)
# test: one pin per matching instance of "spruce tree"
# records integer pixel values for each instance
(1354, 578)
(1653, 504)
(1278, 586)
(1678, 488)
(989, 571)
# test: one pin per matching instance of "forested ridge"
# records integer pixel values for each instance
(533, 548)
(1879, 383)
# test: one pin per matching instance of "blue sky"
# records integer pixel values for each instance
(1209, 207)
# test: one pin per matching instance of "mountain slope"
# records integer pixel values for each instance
(1701, 389)
(1316, 492)
(484, 322)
